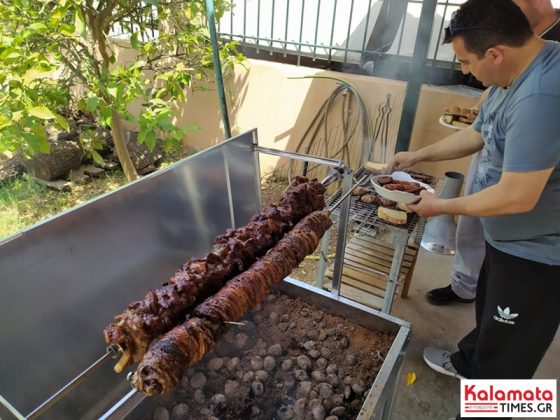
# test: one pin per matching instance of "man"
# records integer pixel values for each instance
(470, 244)
(516, 191)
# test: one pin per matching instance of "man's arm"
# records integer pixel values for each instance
(460, 144)
(516, 192)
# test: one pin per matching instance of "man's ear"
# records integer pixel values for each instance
(495, 54)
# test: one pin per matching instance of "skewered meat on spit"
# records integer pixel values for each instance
(166, 359)
(163, 308)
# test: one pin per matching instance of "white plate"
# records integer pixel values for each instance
(454, 127)
(399, 196)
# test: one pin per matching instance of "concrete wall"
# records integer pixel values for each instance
(263, 95)
(276, 100)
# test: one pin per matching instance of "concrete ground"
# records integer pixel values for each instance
(434, 396)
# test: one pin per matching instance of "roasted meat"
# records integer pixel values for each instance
(165, 361)
(232, 253)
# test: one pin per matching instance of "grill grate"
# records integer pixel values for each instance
(364, 218)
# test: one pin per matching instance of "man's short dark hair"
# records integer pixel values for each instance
(485, 23)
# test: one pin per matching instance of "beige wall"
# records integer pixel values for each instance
(272, 98)
(264, 96)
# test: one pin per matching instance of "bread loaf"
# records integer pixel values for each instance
(397, 217)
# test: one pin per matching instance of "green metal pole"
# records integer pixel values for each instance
(217, 65)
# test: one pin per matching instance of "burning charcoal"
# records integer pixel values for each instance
(304, 313)
(331, 418)
(258, 388)
(304, 362)
(333, 380)
(230, 387)
(287, 365)
(322, 363)
(180, 412)
(275, 350)
(273, 317)
(161, 413)
(332, 369)
(322, 335)
(325, 390)
(190, 372)
(206, 412)
(314, 354)
(313, 402)
(325, 352)
(261, 375)
(337, 400)
(285, 318)
(351, 359)
(299, 407)
(318, 376)
(240, 340)
(344, 342)
(289, 383)
(213, 375)
(198, 381)
(198, 396)
(292, 325)
(338, 411)
(304, 388)
(215, 364)
(229, 337)
(301, 375)
(318, 412)
(271, 297)
(258, 318)
(233, 363)
(185, 381)
(257, 308)
(255, 411)
(318, 315)
(249, 376)
(313, 395)
(218, 400)
(312, 334)
(257, 363)
(358, 389)
(269, 363)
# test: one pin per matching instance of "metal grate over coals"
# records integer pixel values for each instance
(363, 216)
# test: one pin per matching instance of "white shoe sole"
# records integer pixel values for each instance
(441, 370)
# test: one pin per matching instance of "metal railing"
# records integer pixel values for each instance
(348, 32)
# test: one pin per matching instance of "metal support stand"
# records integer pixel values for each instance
(400, 240)
(340, 244)
(323, 260)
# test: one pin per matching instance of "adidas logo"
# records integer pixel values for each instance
(505, 316)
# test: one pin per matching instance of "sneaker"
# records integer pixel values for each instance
(439, 360)
(445, 296)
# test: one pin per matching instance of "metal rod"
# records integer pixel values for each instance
(416, 74)
(300, 156)
(400, 248)
(323, 261)
(342, 231)
(11, 408)
(128, 402)
(71, 385)
(218, 65)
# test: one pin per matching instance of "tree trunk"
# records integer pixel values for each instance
(120, 147)
(11, 168)
(64, 156)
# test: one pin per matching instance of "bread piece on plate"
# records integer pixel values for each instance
(397, 217)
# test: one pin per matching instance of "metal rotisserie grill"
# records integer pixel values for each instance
(63, 280)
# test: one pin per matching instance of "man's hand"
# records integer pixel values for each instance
(428, 206)
(402, 160)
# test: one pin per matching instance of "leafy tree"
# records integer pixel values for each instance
(57, 53)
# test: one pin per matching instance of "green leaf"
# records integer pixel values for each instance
(39, 27)
(63, 122)
(107, 116)
(80, 24)
(113, 91)
(92, 103)
(134, 41)
(33, 74)
(41, 112)
(97, 158)
(150, 140)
